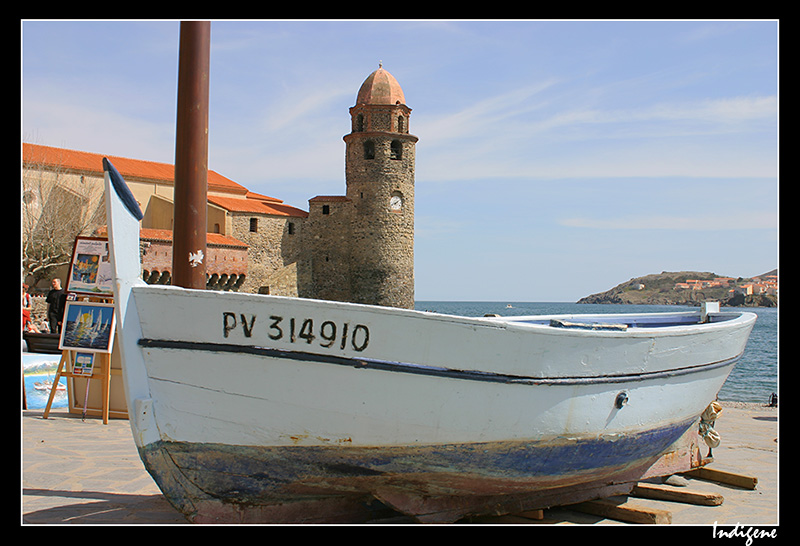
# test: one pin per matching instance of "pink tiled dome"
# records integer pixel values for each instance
(380, 87)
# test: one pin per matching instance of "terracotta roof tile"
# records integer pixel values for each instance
(276, 207)
(254, 195)
(165, 235)
(127, 167)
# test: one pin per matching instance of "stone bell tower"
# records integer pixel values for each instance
(379, 172)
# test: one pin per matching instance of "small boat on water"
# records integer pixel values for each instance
(47, 386)
(259, 408)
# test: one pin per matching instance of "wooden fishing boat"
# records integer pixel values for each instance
(255, 408)
(258, 408)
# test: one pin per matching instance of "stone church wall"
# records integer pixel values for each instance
(274, 242)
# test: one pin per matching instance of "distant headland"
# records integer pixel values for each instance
(693, 288)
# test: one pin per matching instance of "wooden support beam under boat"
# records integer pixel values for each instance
(721, 476)
(622, 509)
(667, 493)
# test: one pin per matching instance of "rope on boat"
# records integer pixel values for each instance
(707, 421)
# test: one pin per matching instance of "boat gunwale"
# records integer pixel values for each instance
(514, 322)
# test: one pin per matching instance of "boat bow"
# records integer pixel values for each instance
(122, 216)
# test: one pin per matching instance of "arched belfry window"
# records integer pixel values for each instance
(369, 149)
(401, 124)
(397, 150)
(359, 123)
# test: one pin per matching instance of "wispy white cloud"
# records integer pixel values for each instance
(712, 222)
(495, 116)
(712, 30)
(503, 136)
(484, 117)
(720, 111)
(306, 108)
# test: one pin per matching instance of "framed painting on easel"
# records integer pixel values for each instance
(87, 327)
(90, 269)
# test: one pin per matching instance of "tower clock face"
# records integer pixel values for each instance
(396, 202)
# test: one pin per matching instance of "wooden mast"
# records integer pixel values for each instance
(191, 157)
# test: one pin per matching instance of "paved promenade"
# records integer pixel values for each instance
(84, 472)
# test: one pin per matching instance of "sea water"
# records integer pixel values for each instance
(753, 379)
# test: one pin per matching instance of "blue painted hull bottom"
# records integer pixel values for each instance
(212, 483)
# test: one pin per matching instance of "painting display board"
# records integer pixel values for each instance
(89, 357)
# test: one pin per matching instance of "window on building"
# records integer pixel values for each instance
(401, 124)
(397, 150)
(326, 209)
(369, 150)
(253, 225)
(290, 228)
(359, 123)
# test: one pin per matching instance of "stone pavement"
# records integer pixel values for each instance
(84, 472)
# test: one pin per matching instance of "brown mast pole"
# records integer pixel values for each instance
(191, 157)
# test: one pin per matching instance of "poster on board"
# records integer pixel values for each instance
(90, 269)
(84, 364)
(87, 327)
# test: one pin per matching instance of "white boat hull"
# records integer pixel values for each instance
(409, 386)
(249, 407)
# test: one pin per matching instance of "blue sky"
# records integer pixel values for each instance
(556, 159)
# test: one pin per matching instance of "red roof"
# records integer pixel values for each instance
(254, 195)
(133, 168)
(274, 207)
(165, 236)
(214, 239)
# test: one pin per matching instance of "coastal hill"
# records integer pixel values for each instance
(693, 288)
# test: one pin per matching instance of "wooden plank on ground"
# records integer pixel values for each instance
(623, 510)
(721, 476)
(667, 493)
(532, 514)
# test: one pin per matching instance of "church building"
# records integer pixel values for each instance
(357, 247)
(362, 244)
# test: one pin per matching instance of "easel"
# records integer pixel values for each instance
(88, 254)
(104, 375)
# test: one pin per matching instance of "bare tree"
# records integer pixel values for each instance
(57, 206)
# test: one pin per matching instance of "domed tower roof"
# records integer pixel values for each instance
(380, 87)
